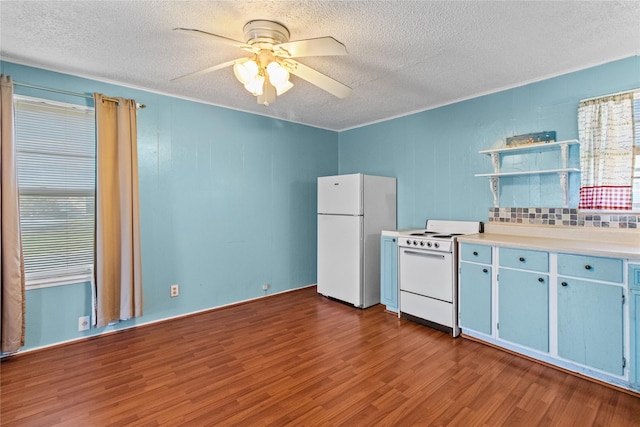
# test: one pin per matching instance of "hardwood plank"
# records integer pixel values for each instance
(296, 359)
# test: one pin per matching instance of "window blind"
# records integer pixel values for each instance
(55, 145)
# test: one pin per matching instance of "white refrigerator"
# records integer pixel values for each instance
(352, 211)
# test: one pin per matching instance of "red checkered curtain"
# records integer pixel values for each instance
(606, 152)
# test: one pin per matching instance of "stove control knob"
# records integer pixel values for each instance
(415, 243)
(421, 243)
(408, 242)
(436, 245)
(428, 244)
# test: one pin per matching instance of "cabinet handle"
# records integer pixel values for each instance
(587, 267)
(564, 283)
(484, 270)
(475, 253)
(393, 240)
(540, 279)
(521, 259)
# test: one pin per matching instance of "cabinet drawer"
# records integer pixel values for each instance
(524, 259)
(590, 267)
(475, 253)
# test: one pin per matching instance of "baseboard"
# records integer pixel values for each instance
(151, 322)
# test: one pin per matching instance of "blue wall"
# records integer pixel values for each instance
(228, 203)
(435, 156)
(228, 199)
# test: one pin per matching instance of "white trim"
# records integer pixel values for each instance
(45, 101)
(409, 113)
(49, 280)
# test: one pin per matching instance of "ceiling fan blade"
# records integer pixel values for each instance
(322, 46)
(222, 39)
(208, 70)
(314, 77)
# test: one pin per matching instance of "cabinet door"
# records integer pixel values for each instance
(635, 339)
(475, 297)
(523, 308)
(389, 273)
(634, 319)
(590, 324)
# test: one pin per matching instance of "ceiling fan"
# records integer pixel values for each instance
(266, 74)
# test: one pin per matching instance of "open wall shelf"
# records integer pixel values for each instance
(563, 173)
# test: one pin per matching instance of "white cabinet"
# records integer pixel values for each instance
(563, 172)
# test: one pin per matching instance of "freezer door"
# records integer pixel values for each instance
(340, 194)
(340, 257)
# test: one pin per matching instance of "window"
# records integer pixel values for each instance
(608, 169)
(55, 145)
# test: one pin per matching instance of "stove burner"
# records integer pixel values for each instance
(446, 236)
(424, 233)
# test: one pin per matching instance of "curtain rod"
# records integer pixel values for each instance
(624, 92)
(66, 92)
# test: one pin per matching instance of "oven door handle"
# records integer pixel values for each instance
(427, 254)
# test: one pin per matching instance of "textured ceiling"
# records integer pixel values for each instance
(404, 56)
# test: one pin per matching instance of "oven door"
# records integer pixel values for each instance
(427, 273)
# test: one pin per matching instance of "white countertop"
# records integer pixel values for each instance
(619, 243)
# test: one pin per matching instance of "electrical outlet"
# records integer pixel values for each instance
(175, 290)
(265, 287)
(83, 323)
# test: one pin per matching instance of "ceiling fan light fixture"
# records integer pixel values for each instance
(283, 87)
(246, 71)
(255, 86)
(277, 73)
(266, 74)
(279, 77)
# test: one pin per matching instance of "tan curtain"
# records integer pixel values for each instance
(606, 152)
(12, 297)
(118, 267)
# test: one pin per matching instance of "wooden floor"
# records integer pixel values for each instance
(296, 359)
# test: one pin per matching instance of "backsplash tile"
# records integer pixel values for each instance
(562, 217)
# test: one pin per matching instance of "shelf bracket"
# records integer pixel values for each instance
(565, 188)
(495, 159)
(564, 153)
(493, 184)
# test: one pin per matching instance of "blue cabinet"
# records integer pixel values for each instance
(590, 324)
(590, 312)
(634, 318)
(523, 308)
(523, 297)
(524, 259)
(562, 308)
(591, 267)
(475, 297)
(389, 272)
(475, 283)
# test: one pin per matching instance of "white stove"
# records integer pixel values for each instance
(427, 273)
